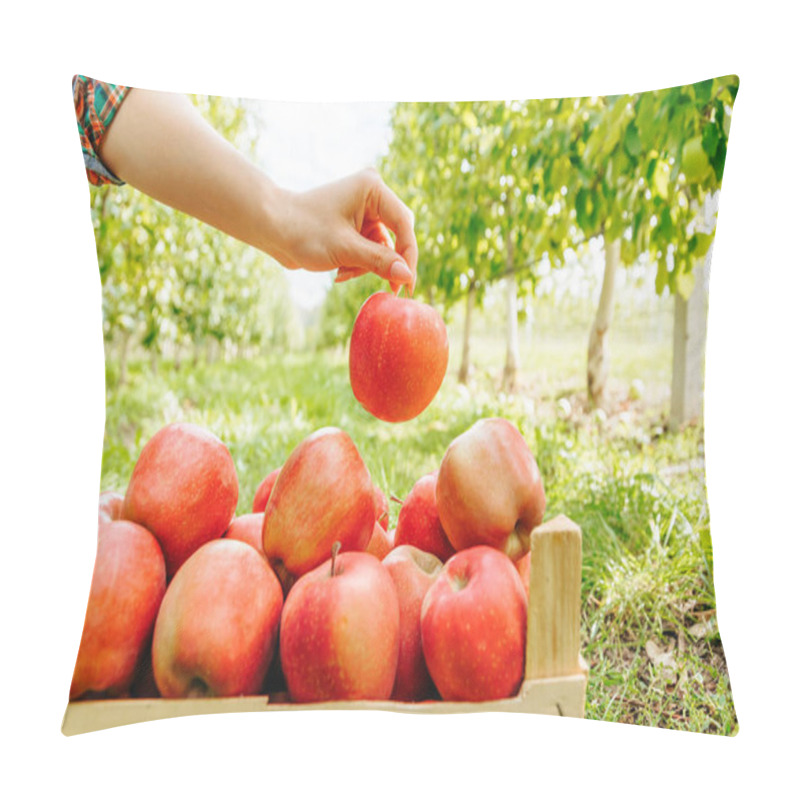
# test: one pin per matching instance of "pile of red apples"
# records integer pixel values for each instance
(311, 598)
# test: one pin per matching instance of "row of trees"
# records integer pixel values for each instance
(500, 189)
(175, 286)
(503, 192)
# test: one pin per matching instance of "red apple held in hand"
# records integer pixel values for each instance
(248, 528)
(413, 572)
(323, 494)
(127, 587)
(216, 631)
(489, 490)
(264, 490)
(398, 356)
(418, 523)
(183, 489)
(380, 544)
(110, 508)
(474, 624)
(339, 635)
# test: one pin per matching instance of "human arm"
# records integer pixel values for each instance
(161, 145)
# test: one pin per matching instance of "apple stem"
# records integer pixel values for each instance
(334, 551)
(396, 499)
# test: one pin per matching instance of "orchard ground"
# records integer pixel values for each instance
(636, 489)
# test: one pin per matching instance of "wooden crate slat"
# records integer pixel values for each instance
(83, 716)
(554, 611)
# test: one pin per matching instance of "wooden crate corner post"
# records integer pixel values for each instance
(555, 674)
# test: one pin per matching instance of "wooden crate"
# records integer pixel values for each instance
(555, 674)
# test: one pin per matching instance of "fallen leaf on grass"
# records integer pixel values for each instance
(700, 630)
(687, 606)
(663, 658)
(658, 654)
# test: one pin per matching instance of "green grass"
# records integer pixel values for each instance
(637, 491)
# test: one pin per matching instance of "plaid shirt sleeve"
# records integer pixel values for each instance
(96, 105)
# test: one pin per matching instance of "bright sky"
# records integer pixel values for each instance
(303, 145)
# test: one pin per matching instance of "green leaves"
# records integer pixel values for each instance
(718, 160)
(646, 122)
(662, 275)
(496, 187)
(587, 210)
(694, 160)
(555, 172)
(470, 120)
(702, 91)
(633, 142)
(699, 244)
(660, 179)
(664, 229)
(711, 137)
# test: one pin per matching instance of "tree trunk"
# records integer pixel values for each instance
(688, 347)
(689, 338)
(597, 359)
(512, 332)
(463, 371)
(512, 336)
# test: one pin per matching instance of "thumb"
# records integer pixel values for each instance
(380, 259)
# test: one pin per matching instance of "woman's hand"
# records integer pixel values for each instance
(160, 144)
(345, 226)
